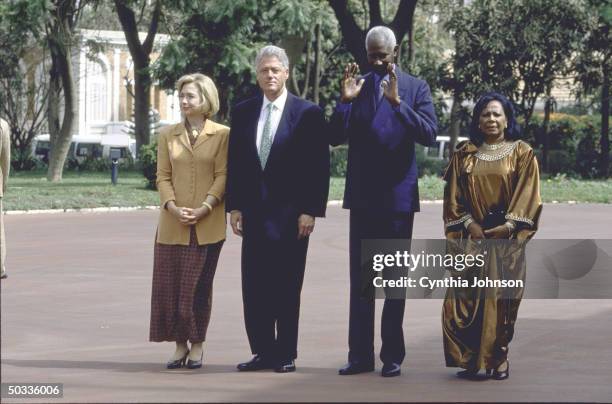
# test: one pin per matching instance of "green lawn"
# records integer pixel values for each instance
(30, 190)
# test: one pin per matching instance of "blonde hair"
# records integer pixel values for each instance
(208, 90)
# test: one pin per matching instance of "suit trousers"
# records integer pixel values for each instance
(369, 225)
(272, 277)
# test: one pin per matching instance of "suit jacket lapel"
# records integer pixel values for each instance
(181, 132)
(383, 106)
(207, 133)
(366, 102)
(250, 127)
(283, 131)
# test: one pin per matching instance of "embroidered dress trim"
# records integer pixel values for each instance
(460, 220)
(495, 146)
(510, 216)
(503, 152)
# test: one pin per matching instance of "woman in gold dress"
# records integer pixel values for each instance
(492, 192)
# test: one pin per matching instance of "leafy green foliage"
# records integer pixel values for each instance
(515, 47)
(596, 55)
(573, 144)
(222, 38)
(338, 160)
(148, 162)
(22, 37)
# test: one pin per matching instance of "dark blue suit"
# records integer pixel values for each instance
(382, 193)
(295, 181)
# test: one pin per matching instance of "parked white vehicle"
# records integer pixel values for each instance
(438, 151)
(88, 146)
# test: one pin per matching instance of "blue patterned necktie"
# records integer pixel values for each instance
(266, 137)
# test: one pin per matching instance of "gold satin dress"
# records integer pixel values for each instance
(478, 324)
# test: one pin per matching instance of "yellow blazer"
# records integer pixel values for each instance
(186, 175)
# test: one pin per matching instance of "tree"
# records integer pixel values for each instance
(457, 112)
(354, 34)
(23, 80)
(593, 67)
(222, 38)
(141, 56)
(516, 47)
(61, 37)
(429, 49)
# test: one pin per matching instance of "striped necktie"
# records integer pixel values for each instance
(266, 137)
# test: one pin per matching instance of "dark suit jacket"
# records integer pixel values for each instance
(296, 177)
(382, 174)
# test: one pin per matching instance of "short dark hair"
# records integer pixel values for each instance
(512, 132)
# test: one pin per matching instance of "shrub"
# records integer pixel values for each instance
(25, 161)
(429, 165)
(98, 164)
(338, 160)
(148, 162)
(572, 140)
(426, 165)
(587, 156)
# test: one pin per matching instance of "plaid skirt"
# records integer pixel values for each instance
(181, 297)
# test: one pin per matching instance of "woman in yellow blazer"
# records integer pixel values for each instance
(191, 174)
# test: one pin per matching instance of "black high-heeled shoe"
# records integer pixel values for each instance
(502, 374)
(177, 364)
(195, 364)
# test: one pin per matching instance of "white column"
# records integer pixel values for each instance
(116, 83)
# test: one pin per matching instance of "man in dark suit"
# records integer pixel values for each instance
(278, 181)
(383, 115)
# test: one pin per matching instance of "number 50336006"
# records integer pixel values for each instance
(32, 390)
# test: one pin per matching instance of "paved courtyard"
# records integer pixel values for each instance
(75, 310)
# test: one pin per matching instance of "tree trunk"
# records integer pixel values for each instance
(455, 117)
(61, 72)
(317, 64)
(410, 46)
(354, 37)
(140, 53)
(294, 45)
(455, 124)
(142, 104)
(604, 163)
(545, 125)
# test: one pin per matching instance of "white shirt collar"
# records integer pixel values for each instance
(279, 102)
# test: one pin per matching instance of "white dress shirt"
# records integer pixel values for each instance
(277, 112)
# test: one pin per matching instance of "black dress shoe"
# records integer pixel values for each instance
(257, 363)
(195, 364)
(4, 276)
(285, 367)
(177, 364)
(501, 374)
(391, 370)
(353, 368)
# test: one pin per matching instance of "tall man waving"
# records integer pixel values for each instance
(278, 181)
(382, 115)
